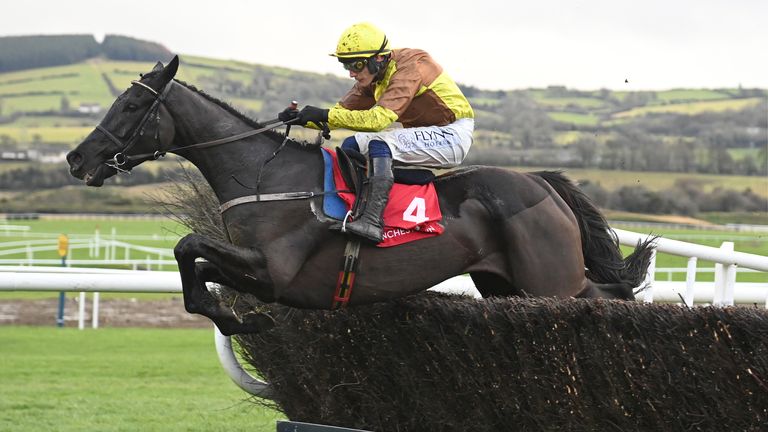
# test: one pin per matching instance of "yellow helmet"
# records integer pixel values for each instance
(362, 40)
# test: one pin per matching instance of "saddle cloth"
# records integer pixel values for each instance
(412, 213)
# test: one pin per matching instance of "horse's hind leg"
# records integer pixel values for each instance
(544, 255)
(491, 284)
(197, 298)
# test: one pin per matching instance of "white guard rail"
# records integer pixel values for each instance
(722, 292)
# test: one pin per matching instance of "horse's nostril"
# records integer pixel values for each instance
(74, 158)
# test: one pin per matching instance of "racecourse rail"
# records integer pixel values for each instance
(724, 291)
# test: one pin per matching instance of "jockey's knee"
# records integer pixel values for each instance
(350, 143)
(378, 149)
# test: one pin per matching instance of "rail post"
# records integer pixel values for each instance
(722, 275)
(63, 251)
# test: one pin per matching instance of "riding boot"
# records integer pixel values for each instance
(370, 224)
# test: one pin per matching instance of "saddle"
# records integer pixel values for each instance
(412, 213)
(353, 167)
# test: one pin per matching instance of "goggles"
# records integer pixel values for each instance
(355, 65)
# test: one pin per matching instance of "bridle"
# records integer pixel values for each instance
(121, 157)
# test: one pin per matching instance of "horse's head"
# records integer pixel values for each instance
(131, 132)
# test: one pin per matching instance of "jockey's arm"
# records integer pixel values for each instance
(360, 112)
(373, 119)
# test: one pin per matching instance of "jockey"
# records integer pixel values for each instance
(402, 106)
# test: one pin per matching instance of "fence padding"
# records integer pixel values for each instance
(434, 362)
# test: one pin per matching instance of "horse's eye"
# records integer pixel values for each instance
(131, 107)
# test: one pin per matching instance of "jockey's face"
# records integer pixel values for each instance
(364, 77)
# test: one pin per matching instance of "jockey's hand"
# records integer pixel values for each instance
(288, 114)
(312, 114)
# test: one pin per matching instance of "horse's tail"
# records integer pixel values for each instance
(599, 243)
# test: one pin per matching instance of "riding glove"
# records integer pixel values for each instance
(288, 114)
(312, 114)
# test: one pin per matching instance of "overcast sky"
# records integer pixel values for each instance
(505, 44)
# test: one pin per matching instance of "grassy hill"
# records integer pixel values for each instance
(612, 138)
(37, 105)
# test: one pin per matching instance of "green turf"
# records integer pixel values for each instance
(119, 380)
(563, 102)
(655, 181)
(690, 95)
(691, 108)
(573, 118)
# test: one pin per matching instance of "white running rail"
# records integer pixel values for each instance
(721, 292)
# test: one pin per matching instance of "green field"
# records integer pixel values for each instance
(582, 102)
(655, 181)
(691, 95)
(119, 380)
(692, 108)
(574, 118)
(85, 84)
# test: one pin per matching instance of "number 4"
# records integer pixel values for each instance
(416, 211)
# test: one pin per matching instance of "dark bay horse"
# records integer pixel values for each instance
(516, 234)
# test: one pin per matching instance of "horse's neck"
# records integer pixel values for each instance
(232, 169)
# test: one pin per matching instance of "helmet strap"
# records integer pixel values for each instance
(374, 66)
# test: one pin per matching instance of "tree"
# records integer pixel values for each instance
(528, 123)
(586, 148)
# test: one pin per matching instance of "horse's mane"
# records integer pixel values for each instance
(272, 134)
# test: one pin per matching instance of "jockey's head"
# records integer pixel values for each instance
(363, 49)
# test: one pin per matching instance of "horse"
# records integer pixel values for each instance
(521, 234)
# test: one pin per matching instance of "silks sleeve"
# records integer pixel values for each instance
(371, 120)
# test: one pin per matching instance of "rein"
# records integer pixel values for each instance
(121, 158)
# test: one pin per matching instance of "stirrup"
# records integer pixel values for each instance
(344, 222)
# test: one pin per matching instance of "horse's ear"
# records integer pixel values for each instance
(158, 67)
(170, 71)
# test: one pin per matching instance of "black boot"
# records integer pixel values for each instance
(370, 224)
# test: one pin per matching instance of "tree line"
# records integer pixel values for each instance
(29, 52)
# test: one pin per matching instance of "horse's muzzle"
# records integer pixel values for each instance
(75, 161)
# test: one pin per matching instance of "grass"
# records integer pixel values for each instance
(47, 134)
(569, 137)
(739, 154)
(655, 181)
(583, 102)
(83, 79)
(690, 95)
(573, 118)
(692, 108)
(119, 380)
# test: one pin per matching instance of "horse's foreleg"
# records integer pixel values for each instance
(197, 298)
